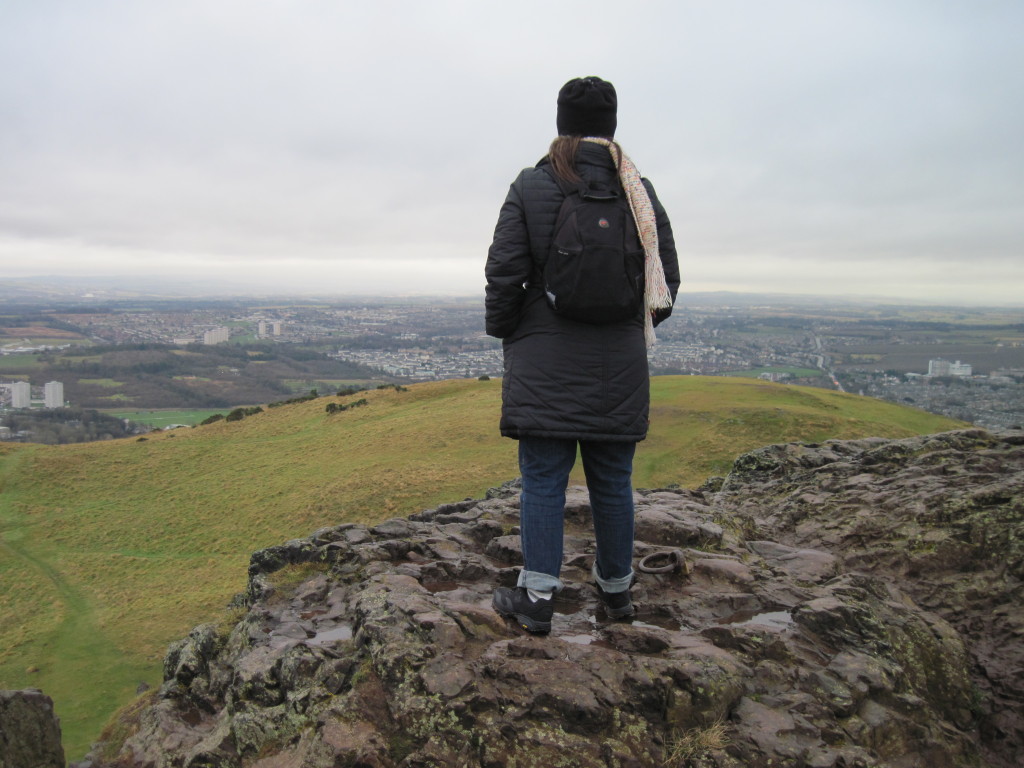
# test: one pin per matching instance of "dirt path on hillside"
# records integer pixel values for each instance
(70, 657)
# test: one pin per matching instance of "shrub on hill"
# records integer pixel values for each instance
(313, 395)
(339, 407)
(240, 413)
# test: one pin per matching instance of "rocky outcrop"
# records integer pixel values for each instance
(940, 516)
(845, 604)
(29, 731)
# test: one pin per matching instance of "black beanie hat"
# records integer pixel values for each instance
(586, 107)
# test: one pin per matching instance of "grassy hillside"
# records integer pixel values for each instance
(109, 551)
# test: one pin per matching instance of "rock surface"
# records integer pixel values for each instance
(29, 731)
(844, 604)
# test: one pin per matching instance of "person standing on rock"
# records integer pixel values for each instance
(575, 336)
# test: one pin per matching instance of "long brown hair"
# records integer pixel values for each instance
(562, 156)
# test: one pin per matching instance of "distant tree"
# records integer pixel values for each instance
(58, 426)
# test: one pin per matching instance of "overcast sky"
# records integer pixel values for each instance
(843, 147)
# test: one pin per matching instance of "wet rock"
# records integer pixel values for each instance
(872, 619)
(942, 516)
(723, 570)
(811, 566)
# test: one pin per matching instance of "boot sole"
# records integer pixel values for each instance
(619, 613)
(526, 622)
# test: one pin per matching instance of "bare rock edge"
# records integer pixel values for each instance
(853, 603)
(29, 731)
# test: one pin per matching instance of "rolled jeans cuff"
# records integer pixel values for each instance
(611, 586)
(541, 582)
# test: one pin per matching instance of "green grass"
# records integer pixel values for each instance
(57, 341)
(18, 362)
(97, 539)
(163, 418)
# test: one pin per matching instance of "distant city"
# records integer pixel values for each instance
(19, 394)
(961, 362)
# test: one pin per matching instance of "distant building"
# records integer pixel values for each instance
(21, 395)
(53, 394)
(961, 369)
(265, 328)
(940, 367)
(183, 340)
(216, 336)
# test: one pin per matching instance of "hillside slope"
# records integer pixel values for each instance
(108, 551)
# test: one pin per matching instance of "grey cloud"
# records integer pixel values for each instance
(789, 134)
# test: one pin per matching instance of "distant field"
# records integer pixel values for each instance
(117, 398)
(38, 331)
(18, 362)
(109, 551)
(58, 341)
(159, 418)
(753, 373)
(325, 386)
(914, 357)
(105, 383)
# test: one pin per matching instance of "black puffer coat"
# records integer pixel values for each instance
(563, 378)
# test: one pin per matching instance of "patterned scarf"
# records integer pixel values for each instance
(656, 292)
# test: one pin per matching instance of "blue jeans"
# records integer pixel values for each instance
(545, 464)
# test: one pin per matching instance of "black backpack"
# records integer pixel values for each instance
(595, 266)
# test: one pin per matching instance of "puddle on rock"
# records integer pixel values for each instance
(335, 634)
(770, 619)
(657, 622)
(579, 627)
(587, 639)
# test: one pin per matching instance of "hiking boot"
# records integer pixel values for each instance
(533, 616)
(618, 605)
